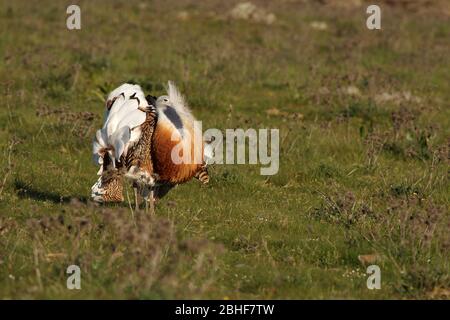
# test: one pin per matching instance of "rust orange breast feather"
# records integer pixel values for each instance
(162, 147)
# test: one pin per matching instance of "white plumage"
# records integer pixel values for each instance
(126, 112)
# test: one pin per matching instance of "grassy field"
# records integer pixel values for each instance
(364, 130)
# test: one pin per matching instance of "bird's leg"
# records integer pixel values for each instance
(149, 200)
(145, 184)
(152, 202)
(146, 205)
(136, 201)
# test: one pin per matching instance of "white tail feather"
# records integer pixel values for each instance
(123, 116)
(119, 140)
(97, 151)
(133, 119)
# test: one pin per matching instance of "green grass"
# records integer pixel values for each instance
(359, 174)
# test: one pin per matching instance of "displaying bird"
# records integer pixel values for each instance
(170, 153)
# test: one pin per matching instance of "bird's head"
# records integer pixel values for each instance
(166, 107)
(163, 101)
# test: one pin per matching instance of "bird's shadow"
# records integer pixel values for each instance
(25, 191)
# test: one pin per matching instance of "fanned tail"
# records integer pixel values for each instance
(126, 108)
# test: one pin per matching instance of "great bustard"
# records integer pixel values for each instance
(173, 133)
